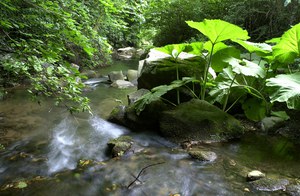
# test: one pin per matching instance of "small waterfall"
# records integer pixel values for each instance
(73, 140)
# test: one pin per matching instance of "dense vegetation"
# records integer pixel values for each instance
(41, 40)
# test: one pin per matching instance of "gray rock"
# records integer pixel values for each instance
(132, 75)
(159, 69)
(126, 53)
(203, 155)
(255, 175)
(198, 120)
(293, 190)
(115, 75)
(122, 84)
(120, 145)
(271, 123)
(270, 185)
(132, 97)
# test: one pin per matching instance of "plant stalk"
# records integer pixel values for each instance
(205, 77)
(228, 93)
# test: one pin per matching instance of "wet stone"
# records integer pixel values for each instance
(255, 175)
(202, 155)
(270, 185)
(293, 190)
(120, 145)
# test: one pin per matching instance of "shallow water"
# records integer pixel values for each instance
(59, 154)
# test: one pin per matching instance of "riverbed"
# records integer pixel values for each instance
(50, 152)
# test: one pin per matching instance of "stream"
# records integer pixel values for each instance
(50, 152)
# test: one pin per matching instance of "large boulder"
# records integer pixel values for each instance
(198, 120)
(159, 68)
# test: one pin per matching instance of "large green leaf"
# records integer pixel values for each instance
(288, 47)
(194, 48)
(218, 63)
(218, 30)
(246, 68)
(261, 49)
(173, 50)
(286, 88)
(254, 109)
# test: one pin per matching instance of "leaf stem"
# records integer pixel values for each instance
(228, 93)
(203, 89)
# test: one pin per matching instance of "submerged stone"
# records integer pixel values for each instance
(293, 190)
(198, 120)
(270, 185)
(202, 155)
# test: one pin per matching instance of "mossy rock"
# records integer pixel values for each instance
(120, 145)
(160, 69)
(198, 120)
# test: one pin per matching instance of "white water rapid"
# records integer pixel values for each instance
(73, 140)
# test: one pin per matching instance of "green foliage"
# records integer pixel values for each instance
(158, 91)
(288, 48)
(263, 19)
(286, 88)
(239, 80)
(39, 39)
(218, 31)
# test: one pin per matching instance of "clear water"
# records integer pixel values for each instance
(59, 154)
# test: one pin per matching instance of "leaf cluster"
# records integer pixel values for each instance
(249, 80)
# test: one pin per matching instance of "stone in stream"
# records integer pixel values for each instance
(293, 190)
(160, 69)
(198, 120)
(122, 84)
(255, 175)
(115, 75)
(120, 145)
(132, 75)
(202, 155)
(269, 184)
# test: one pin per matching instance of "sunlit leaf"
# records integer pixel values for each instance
(261, 49)
(218, 62)
(194, 48)
(173, 49)
(219, 30)
(246, 67)
(286, 88)
(288, 47)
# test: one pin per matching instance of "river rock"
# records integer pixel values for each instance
(134, 96)
(255, 175)
(89, 73)
(126, 53)
(132, 75)
(293, 190)
(198, 120)
(160, 69)
(270, 185)
(122, 84)
(272, 123)
(120, 145)
(115, 75)
(202, 155)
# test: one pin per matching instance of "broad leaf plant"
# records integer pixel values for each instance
(238, 71)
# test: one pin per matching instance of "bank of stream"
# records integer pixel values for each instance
(50, 152)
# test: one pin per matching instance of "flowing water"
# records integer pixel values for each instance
(50, 152)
